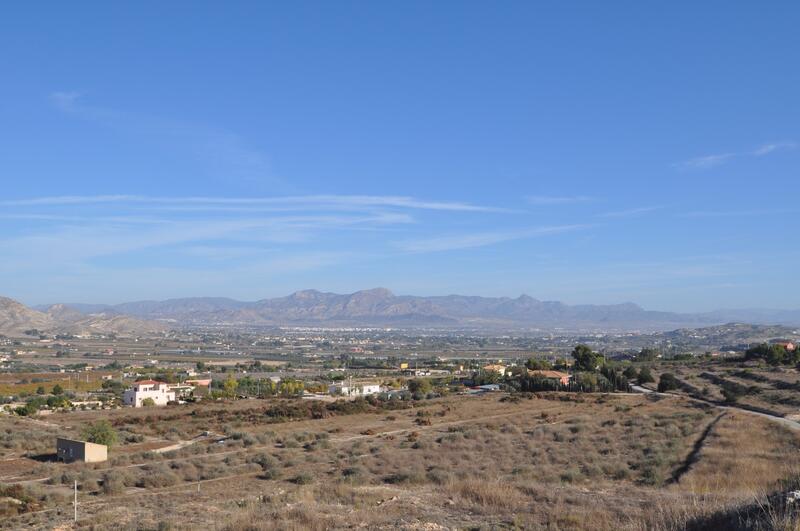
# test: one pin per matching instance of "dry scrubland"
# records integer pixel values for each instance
(547, 461)
(774, 390)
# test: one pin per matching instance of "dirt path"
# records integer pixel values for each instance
(184, 444)
(789, 423)
(694, 455)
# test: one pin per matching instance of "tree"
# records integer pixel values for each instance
(536, 364)
(487, 377)
(201, 366)
(27, 410)
(585, 358)
(586, 381)
(630, 372)
(772, 354)
(421, 386)
(645, 376)
(668, 382)
(40, 390)
(616, 380)
(101, 432)
(732, 391)
(148, 402)
(230, 386)
(647, 354)
(291, 387)
(54, 402)
(57, 389)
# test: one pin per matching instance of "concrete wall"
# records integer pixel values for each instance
(69, 450)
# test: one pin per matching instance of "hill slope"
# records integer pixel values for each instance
(16, 318)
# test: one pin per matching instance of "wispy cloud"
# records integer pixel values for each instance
(211, 144)
(558, 200)
(707, 161)
(712, 161)
(65, 101)
(354, 202)
(71, 238)
(735, 213)
(480, 239)
(631, 212)
(766, 149)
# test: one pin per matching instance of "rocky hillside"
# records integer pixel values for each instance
(16, 318)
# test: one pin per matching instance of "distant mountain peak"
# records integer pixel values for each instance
(382, 293)
(305, 294)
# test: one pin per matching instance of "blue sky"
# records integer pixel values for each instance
(589, 152)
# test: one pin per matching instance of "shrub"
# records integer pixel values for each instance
(668, 382)
(113, 482)
(645, 376)
(156, 476)
(302, 479)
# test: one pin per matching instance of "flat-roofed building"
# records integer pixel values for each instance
(69, 450)
(343, 389)
(159, 392)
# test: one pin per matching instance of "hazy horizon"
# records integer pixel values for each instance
(395, 293)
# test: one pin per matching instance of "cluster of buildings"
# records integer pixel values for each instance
(152, 392)
(561, 377)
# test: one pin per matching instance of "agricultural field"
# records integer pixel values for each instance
(547, 460)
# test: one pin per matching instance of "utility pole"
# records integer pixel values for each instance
(75, 501)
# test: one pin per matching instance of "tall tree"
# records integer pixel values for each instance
(585, 358)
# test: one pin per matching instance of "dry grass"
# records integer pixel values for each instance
(594, 462)
(745, 456)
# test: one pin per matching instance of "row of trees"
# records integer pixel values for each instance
(261, 387)
(33, 405)
(591, 373)
(775, 354)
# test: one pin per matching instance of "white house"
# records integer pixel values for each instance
(160, 392)
(344, 389)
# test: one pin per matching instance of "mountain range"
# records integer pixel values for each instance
(373, 307)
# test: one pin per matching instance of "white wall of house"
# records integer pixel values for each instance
(355, 390)
(159, 392)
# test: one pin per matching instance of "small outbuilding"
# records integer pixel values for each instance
(69, 450)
